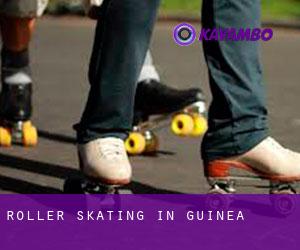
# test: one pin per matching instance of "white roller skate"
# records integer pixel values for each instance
(105, 164)
(268, 161)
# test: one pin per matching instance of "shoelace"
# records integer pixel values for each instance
(275, 143)
(279, 146)
(111, 150)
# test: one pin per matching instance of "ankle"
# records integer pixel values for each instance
(14, 59)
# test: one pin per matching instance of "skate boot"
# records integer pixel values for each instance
(106, 166)
(267, 161)
(16, 108)
(184, 109)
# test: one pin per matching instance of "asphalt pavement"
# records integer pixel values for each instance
(60, 55)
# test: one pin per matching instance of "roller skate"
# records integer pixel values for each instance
(92, 8)
(105, 165)
(268, 162)
(158, 106)
(15, 111)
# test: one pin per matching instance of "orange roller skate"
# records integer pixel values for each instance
(158, 106)
(268, 161)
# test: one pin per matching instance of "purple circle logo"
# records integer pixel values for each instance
(184, 34)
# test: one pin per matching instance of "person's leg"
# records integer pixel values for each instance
(16, 32)
(120, 46)
(121, 42)
(154, 97)
(15, 69)
(238, 130)
(238, 114)
(17, 19)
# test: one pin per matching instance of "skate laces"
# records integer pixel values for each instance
(278, 146)
(274, 143)
(112, 150)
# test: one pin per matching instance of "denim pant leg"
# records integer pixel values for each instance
(238, 114)
(121, 42)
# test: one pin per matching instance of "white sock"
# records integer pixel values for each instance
(149, 71)
(18, 78)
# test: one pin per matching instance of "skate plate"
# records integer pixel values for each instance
(21, 133)
(108, 196)
(80, 185)
(222, 188)
(189, 121)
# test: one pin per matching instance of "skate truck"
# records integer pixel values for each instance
(225, 176)
(15, 113)
(188, 121)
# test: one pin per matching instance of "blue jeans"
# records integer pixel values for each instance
(237, 114)
(122, 38)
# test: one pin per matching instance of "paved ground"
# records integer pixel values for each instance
(60, 56)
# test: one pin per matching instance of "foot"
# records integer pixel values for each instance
(268, 159)
(15, 98)
(106, 161)
(153, 98)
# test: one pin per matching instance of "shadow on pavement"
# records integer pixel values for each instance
(140, 188)
(24, 187)
(14, 185)
(71, 140)
(56, 137)
(53, 170)
(156, 154)
(38, 167)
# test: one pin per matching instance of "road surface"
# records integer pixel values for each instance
(60, 54)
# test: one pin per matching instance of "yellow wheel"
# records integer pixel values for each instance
(182, 125)
(30, 135)
(135, 143)
(200, 125)
(152, 143)
(5, 137)
(27, 125)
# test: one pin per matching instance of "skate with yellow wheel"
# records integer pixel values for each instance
(158, 106)
(15, 113)
(21, 133)
(189, 121)
(141, 142)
